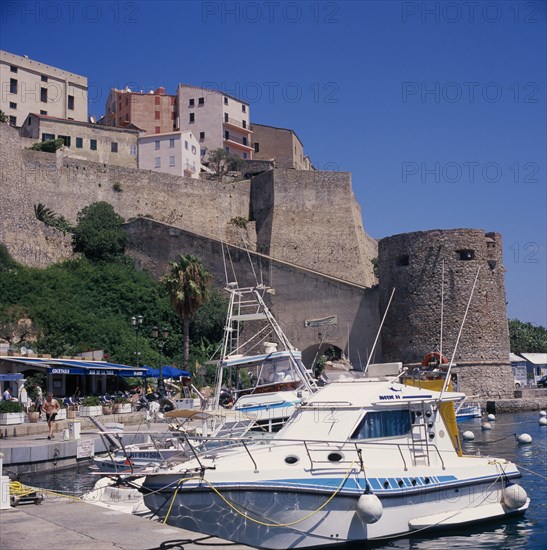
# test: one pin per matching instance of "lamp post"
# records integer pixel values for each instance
(137, 323)
(161, 343)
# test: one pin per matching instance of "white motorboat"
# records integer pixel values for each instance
(360, 459)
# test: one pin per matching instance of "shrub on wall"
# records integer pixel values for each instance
(49, 146)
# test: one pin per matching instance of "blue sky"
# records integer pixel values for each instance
(437, 108)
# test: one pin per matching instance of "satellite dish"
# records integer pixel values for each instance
(24, 350)
(92, 119)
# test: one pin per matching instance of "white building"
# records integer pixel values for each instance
(175, 153)
(218, 120)
(29, 86)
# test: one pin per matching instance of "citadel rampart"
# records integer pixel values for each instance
(300, 294)
(308, 218)
(413, 263)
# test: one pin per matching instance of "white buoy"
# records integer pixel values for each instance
(542, 413)
(514, 496)
(486, 426)
(491, 416)
(543, 420)
(524, 439)
(369, 509)
(468, 435)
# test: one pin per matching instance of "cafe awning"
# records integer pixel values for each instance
(74, 366)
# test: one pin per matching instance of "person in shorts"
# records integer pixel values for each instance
(50, 407)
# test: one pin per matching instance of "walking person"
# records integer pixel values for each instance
(50, 407)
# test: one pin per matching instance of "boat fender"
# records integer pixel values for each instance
(524, 439)
(543, 420)
(468, 435)
(491, 416)
(514, 496)
(369, 509)
(542, 413)
(486, 426)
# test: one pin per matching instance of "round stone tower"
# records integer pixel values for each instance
(413, 264)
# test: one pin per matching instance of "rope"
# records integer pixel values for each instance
(17, 488)
(265, 524)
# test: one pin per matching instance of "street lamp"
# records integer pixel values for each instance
(137, 323)
(161, 343)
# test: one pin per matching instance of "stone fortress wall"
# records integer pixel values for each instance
(313, 221)
(307, 220)
(412, 263)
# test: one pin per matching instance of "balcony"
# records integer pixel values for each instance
(238, 142)
(237, 124)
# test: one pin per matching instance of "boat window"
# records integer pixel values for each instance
(383, 424)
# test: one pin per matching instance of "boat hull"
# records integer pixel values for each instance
(280, 519)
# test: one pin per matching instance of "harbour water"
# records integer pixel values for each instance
(524, 532)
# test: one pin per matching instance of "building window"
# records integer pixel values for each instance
(158, 162)
(171, 161)
(79, 143)
(12, 105)
(227, 149)
(43, 78)
(126, 101)
(194, 150)
(257, 147)
(113, 147)
(157, 115)
(244, 140)
(93, 144)
(13, 69)
(190, 103)
(225, 101)
(43, 112)
(225, 117)
(43, 95)
(48, 137)
(133, 150)
(243, 109)
(186, 145)
(383, 424)
(12, 86)
(29, 121)
(157, 130)
(201, 101)
(157, 100)
(202, 136)
(157, 145)
(465, 255)
(66, 140)
(244, 123)
(244, 155)
(202, 151)
(71, 102)
(403, 260)
(226, 134)
(171, 143)
(192, 117)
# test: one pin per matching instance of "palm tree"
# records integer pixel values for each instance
(187, 282)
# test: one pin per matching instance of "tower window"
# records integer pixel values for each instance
(466, 254)
(403, 260)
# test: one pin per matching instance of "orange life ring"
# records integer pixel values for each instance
(436, 357)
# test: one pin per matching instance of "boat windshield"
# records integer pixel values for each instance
(376, 424)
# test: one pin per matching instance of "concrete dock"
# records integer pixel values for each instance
(63, 523)
(26, 447)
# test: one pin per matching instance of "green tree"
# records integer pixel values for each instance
(50, 218)
(221, 162)
(188, 285)
(3, 116)
(526, 337)
(98, 234)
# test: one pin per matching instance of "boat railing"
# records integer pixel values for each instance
(318, 452)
